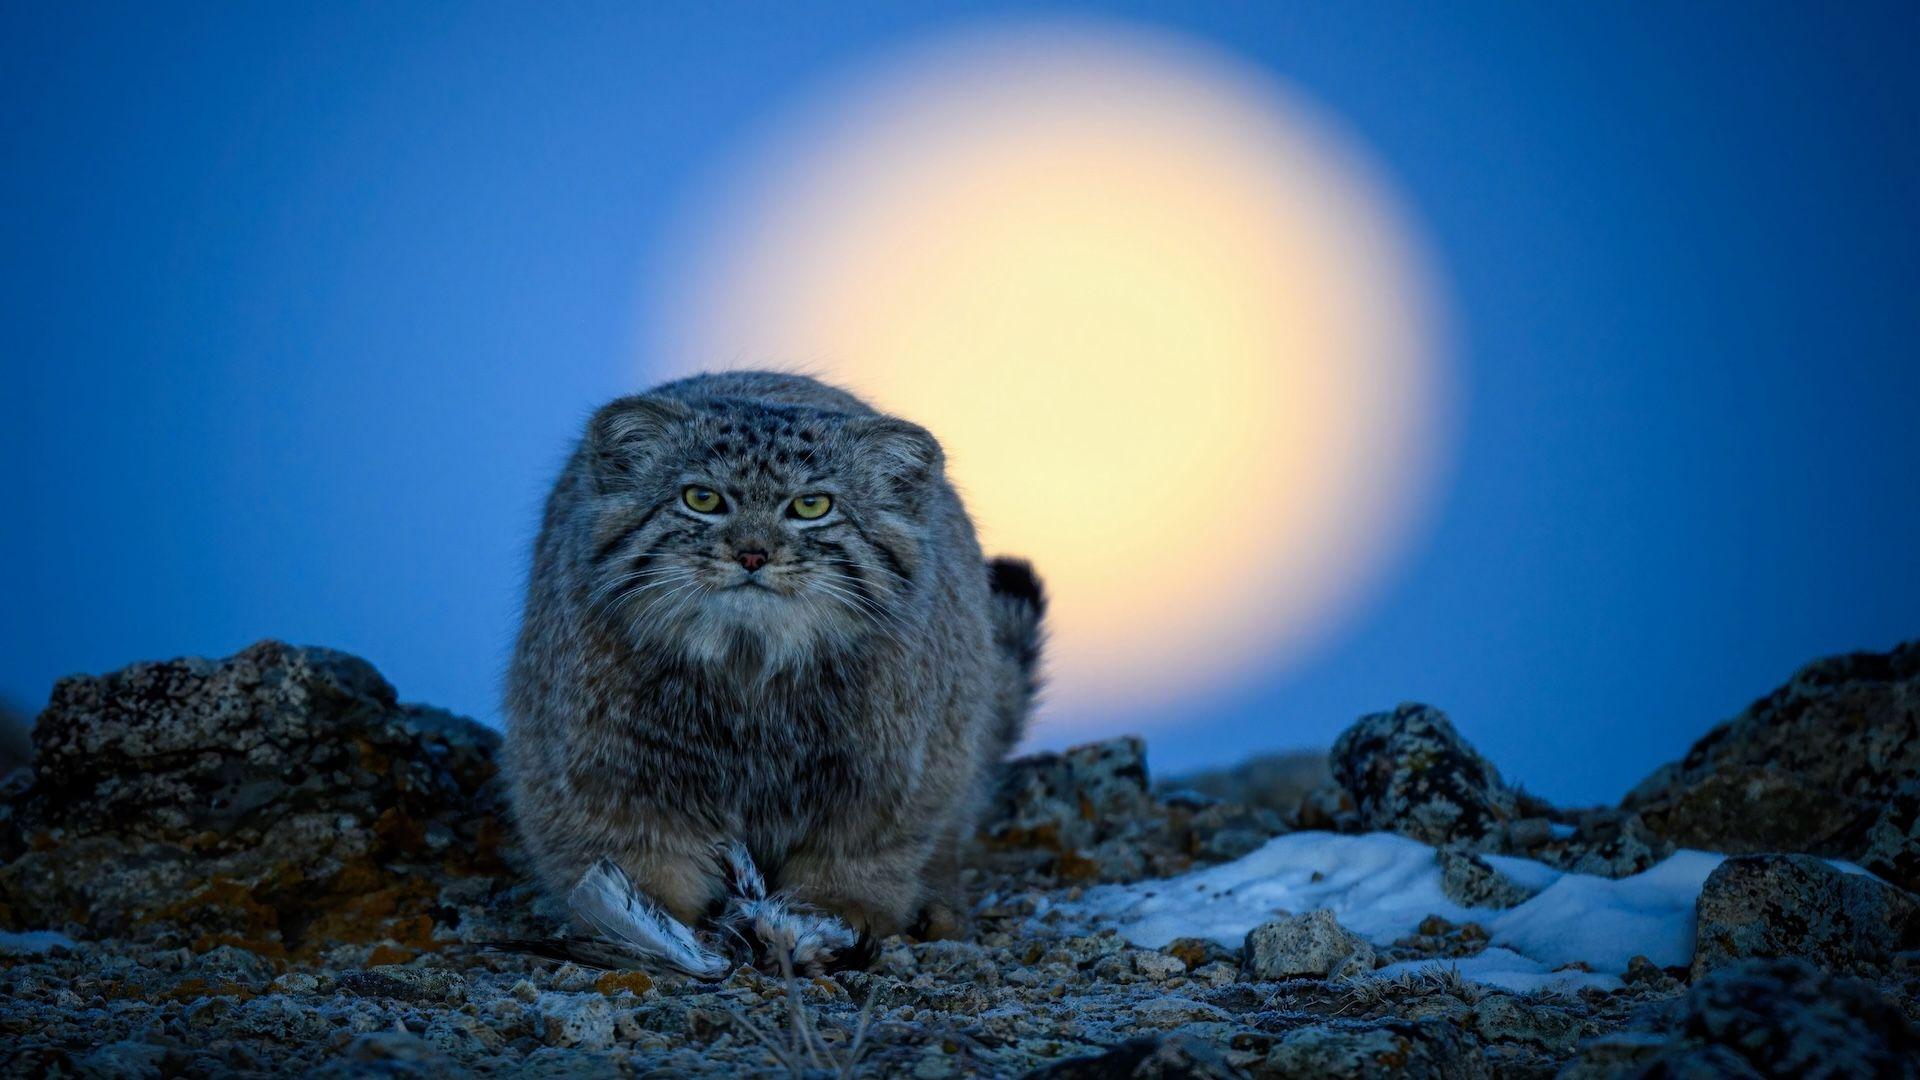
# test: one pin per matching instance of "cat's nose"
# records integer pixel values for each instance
(752, 560)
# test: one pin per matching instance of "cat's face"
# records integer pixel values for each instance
(731, 528)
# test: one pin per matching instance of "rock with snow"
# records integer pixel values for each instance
(1470, 880)
(1313, 945)
(1810, 768)
(1410, 772)
(1800, 906)
(1574, 931)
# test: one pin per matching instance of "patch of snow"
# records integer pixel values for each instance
(1605, 922)
(1505, 969)
(1560, 831)
(1381, 886)
(1529, 875)
(32, 942)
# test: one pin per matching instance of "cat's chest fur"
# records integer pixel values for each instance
(782, 749)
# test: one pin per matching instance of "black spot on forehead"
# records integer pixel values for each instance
(755, 444)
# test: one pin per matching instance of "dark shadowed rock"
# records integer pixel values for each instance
(1799, 906)
(1410, 772)
(1893, 843)
(1811, 767)
(1427, 1049)
(1277, 782)
(1773, 1018)
(273, 799)
(1147, 1058)
(16, 746)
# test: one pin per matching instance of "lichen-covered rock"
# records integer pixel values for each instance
(1410, 772)
(1310, 945)
(1509, 1018)
(1068, 802)
(1608, 843)
(1809, 768)
(1800, 906)
(274, 800)
(1471, 881)
(1774, 1018)
(1423, 1050)
(1088, 814)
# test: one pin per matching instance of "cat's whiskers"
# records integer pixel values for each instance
(684, 580)
(629, 578)
(887, 622)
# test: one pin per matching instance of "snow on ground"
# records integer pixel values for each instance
(1380, 886)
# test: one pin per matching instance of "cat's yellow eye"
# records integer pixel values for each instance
(808, 507)
(701, 499)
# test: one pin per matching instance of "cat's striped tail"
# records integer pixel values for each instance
(1019, 632)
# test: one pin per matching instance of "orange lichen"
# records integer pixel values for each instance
(388, 954)
(1189, 951)
(228, 903)
(1073, 866)
(633, 982)
(400, 832)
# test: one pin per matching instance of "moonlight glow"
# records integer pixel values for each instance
(1168, 324)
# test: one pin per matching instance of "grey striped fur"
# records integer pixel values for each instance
(843, 723)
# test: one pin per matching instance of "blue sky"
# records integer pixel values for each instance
(300, 305)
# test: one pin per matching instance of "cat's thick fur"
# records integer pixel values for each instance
(840, 710)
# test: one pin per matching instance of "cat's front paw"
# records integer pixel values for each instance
(780, 936)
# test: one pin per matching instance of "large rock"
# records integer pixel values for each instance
(1771, 1018)
(1313, 945)
(1410, 772)
(1800, 906)
(276, 800)
(1811, 767)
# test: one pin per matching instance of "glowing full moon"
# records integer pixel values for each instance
(1170, 325)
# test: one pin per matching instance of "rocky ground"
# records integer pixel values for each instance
(267, 865)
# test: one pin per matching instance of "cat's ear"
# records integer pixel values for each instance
(906, 455)
(623, 432)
